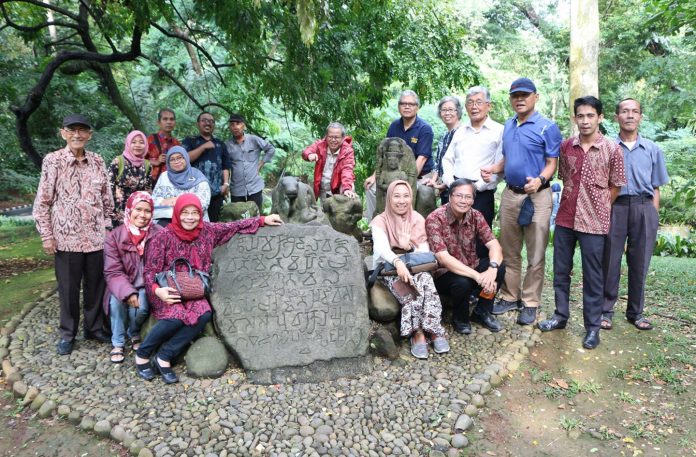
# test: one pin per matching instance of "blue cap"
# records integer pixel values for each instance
(555, 187)
(522, 85)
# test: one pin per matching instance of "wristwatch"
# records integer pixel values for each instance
(542, 179)
(493, 265)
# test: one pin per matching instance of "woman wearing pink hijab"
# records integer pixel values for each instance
(400, 228)
(129, 172)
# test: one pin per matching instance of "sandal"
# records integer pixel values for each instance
(135, 343)
(641, 322)
(606, 323)
(116, 355)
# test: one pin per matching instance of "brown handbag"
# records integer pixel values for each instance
(191, 284)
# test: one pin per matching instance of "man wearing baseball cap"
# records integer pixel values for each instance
(72, 210)
(531, 145)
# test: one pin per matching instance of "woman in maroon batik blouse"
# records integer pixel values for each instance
(178, 323)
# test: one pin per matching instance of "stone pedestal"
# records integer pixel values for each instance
(290, 302)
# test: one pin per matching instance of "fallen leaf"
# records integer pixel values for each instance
(627, 439)
(560, 383)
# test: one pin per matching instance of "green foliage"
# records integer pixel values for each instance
(669, 244)
(12, 182)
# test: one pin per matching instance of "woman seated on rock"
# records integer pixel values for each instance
(401, 228)
(125, 299)
(179, 322)
(179, 178)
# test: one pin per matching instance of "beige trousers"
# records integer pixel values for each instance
(535, 237)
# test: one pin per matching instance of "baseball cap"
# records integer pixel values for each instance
(523, 85)
(73, 119)
(236, 117)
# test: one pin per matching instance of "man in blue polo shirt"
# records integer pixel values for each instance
(417, 134)
(531, 145)
(210, 155)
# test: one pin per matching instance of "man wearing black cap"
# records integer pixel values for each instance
(531, 145)
(245, 152)
(210, 155)
(72, 210)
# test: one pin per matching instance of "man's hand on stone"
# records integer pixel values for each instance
(350, 193)
(49, 247)
(312, 157)
(533, 184)
(169, 295)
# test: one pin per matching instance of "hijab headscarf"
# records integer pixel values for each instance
(404, 232)
(183, 201)
(137, 235)
(186, 178)
(128, 150)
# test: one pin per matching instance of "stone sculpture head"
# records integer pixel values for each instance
(294, 201)
(344, 213)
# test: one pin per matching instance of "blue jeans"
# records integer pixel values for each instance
(122, 314)
(173, 335)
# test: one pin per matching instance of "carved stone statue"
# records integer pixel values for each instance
(344, 213)
(394, 161)
(294, 202)
(236, 211)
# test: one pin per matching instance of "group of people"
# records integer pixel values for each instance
(610, 195)
(609, 200)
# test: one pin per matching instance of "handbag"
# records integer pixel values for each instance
(191, 284)
(416, 262)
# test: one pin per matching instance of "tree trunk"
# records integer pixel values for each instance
(584, 51)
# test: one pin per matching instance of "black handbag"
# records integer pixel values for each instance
(416, 262)
(191, 284)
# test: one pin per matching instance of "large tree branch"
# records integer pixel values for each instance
(49, 6)
(173, 79)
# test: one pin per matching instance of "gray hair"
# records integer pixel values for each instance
(409, 93)
(336, 125)
(450, 99)
(479, 90)
(462, 182)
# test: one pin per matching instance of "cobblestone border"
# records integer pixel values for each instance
(466, 406)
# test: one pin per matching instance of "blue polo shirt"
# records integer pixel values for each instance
(527, 146)
(645, 168)
(419, 137)
(211, 162)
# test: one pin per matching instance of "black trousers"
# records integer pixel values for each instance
(215, 207)
(460, 288)
(485, 203)
(173, 336)
(256, 198)
(75, 270)
(635, 219)
(591, 252)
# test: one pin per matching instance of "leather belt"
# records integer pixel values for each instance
(520, 190)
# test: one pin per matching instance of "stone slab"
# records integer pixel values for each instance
(290, 296)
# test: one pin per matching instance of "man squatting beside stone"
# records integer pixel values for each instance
(477, 144)
(245, 152)
(161, 142)
(210, 156)
(72, 210)
(334, 160)
(417, 134)
(592, 170)
(453, 231)
(633, 217)
(530, 154)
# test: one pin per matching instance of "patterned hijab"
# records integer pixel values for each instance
(404, 232)
(186, 178)
(128, 153)
(137, 235)
(182, 202)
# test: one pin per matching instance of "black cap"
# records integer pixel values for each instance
(73, 119)
(236, 117)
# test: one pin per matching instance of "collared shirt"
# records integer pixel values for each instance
(153, 152)
(587, 181)
(645, 168)
(245, 164)
(327, 173)
(73, 204)
(471, 150)
(458, 238)
(211, 162)
(527, 146)
(419, 137)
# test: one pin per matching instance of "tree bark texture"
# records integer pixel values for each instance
(584, 51)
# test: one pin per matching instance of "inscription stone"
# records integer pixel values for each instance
(291, 296)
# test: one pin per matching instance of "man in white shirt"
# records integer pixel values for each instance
(477, 143)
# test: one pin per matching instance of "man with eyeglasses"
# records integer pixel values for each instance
(245, 152)
(531, 146)
(417, 134)
(453, 231)
(210, 156)
(334, 163)
(477, 144)
(72, 210)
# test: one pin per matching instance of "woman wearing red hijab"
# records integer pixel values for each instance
(400, 227)
(179, 322)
